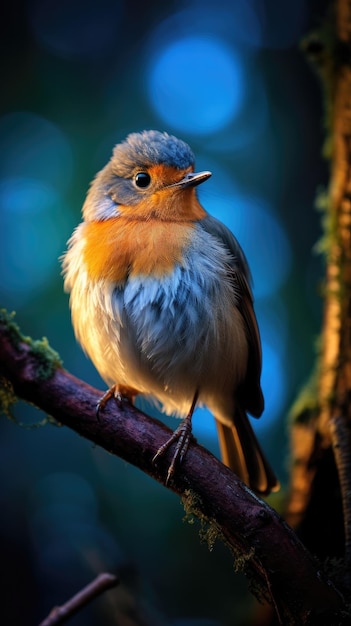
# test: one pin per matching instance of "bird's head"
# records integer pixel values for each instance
(150, 174)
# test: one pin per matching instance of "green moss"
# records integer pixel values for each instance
(8, 398)
(242, 561)
(47, 359)
(210, 532)
(6, 319)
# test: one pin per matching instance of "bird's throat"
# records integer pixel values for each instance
(120, 247)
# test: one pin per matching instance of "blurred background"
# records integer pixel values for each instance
(229, 78)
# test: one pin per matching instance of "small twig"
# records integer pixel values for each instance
(60, 614)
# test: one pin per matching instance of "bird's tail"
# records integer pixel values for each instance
(241, 452)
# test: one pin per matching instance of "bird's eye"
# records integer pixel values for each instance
(142, 179)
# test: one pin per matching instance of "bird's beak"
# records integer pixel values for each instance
(192, 179)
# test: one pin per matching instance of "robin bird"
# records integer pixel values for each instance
(161, 299)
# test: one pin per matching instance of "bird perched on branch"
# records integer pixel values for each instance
(161, 299)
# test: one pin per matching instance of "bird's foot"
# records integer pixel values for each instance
(120, 393)
(182, 436)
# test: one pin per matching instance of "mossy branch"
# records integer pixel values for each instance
(274, 559)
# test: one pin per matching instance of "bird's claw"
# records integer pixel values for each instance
(113, 392)
(182, 436)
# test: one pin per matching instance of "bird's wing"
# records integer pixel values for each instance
(249, 394)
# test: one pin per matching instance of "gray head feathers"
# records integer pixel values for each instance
(149, 148)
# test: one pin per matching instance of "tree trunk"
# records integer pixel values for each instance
(320, 499)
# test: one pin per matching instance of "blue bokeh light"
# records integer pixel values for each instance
(272, 316)
(274, 387)
(32, 221)
(196, 84)
(35, 148)
(247, 128)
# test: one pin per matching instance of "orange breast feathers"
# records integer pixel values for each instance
(121, 246)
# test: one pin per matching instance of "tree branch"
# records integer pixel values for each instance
(269, 550)
(61, 614)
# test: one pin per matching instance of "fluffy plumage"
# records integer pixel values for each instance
(160, 296)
